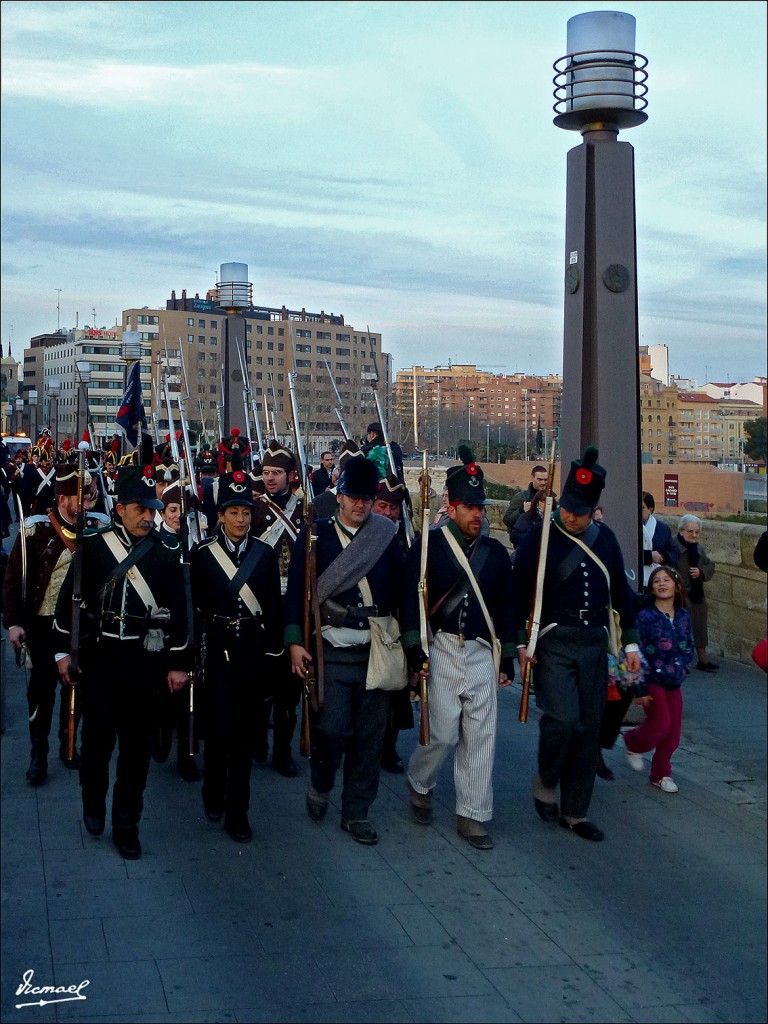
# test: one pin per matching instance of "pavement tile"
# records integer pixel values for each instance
(167, 936)
(450, 878)
(238, 982)
(90, 947)
(555, 993)
(212, 1017)
(526, 893)
(111, 897)
(635, 980)
(658, 1015)
(727, 1013)
(421, 971)
(581, 933)
(421, 926)
(479, 1009)
(497, 935)
(366, 888)
(126, 987)
(375, 1011)
(371, 927)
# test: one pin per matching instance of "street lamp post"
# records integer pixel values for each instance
(83, 379)
(19, 415)
(54, 391)
(32, 399)
(600, 89)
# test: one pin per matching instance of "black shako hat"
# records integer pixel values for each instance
(584, 483)
(465, 483)
(359, 479)
(234, 489)
(135, 485)
(391, 490)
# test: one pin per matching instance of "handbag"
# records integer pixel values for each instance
(387, 667)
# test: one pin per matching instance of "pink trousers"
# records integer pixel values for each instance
(660, 731)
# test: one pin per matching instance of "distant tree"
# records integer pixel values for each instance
(756, 447)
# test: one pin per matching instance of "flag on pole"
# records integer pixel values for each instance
(539, 438)
(131, 412)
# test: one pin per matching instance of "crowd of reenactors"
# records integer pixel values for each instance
(227, 606)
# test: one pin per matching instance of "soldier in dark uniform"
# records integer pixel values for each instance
(276, 520)
(50, 541)
(44, 497)
(236, 587)
(584, 579)
(353, 546)
(325, 503)
(463, 674)
(134, 629)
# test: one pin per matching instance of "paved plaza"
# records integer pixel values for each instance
(664, 921)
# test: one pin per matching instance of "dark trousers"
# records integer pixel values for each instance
(171, 713)
(350, 726)
(43, 685)
(117, 688)
(613, 718)
(287, 694)
(234, 684)
(571, 688)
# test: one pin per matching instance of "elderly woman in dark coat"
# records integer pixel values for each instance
(695, 570)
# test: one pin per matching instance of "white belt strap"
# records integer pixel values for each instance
(134, 576)
(248, 596)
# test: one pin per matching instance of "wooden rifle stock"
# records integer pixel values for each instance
(534, 620)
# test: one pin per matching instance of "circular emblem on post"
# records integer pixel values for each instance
(616, 277)
(572, 280)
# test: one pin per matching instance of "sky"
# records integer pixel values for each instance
(393, 162)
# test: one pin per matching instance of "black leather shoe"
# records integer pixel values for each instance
(707, 666)
(547, 812)
(390, 762)
(188, 769)
(72, 763)
(285, 766)
(238, 828)
(213, 811)
(361, 831)
(316, 809)
(37, 772)
(127, 842)
(585, 829)
(93, 825)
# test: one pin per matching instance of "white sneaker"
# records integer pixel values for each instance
(666, 785)
(636, 761)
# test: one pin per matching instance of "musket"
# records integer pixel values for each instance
(185, 568)
(220, 404)
(246, 401)
(406, 512)
(423, 589)
(312, 693)
(274, 404)
(77, 596)
(534, 622)
(190, 467)
(20, 654)
(340, 404)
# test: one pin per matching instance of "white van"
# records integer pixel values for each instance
(16, 442)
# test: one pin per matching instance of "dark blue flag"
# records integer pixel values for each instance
(131, 412)
(539, 438)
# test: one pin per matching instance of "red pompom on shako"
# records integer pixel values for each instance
(148, 471)
(472, 468)
(238, 476)
(583, 476)
(235, 431)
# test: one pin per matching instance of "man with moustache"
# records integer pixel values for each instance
(584, 579)
(133, 630)
(463, 675)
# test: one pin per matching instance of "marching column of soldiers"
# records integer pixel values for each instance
(217, 606)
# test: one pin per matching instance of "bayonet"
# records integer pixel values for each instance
(339, 404)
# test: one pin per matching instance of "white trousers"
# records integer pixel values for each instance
(462, 715)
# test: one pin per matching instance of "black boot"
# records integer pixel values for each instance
(125, 835)
(37, 772)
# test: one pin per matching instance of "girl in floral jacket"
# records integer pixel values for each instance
(666, 639)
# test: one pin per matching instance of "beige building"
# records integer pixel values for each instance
(189, 335)
(460, 401)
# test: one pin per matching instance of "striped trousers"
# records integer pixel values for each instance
(462, 715)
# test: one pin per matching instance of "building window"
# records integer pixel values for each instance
(201, 323)
(303, 334)
(342, 351)
(201, 339)
(214, 324)
(270, 330)
(190, 321)
(270, 344)
(324, 336)
(342, 337)
(213, 341)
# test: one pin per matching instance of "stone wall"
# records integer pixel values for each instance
(736, 595)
